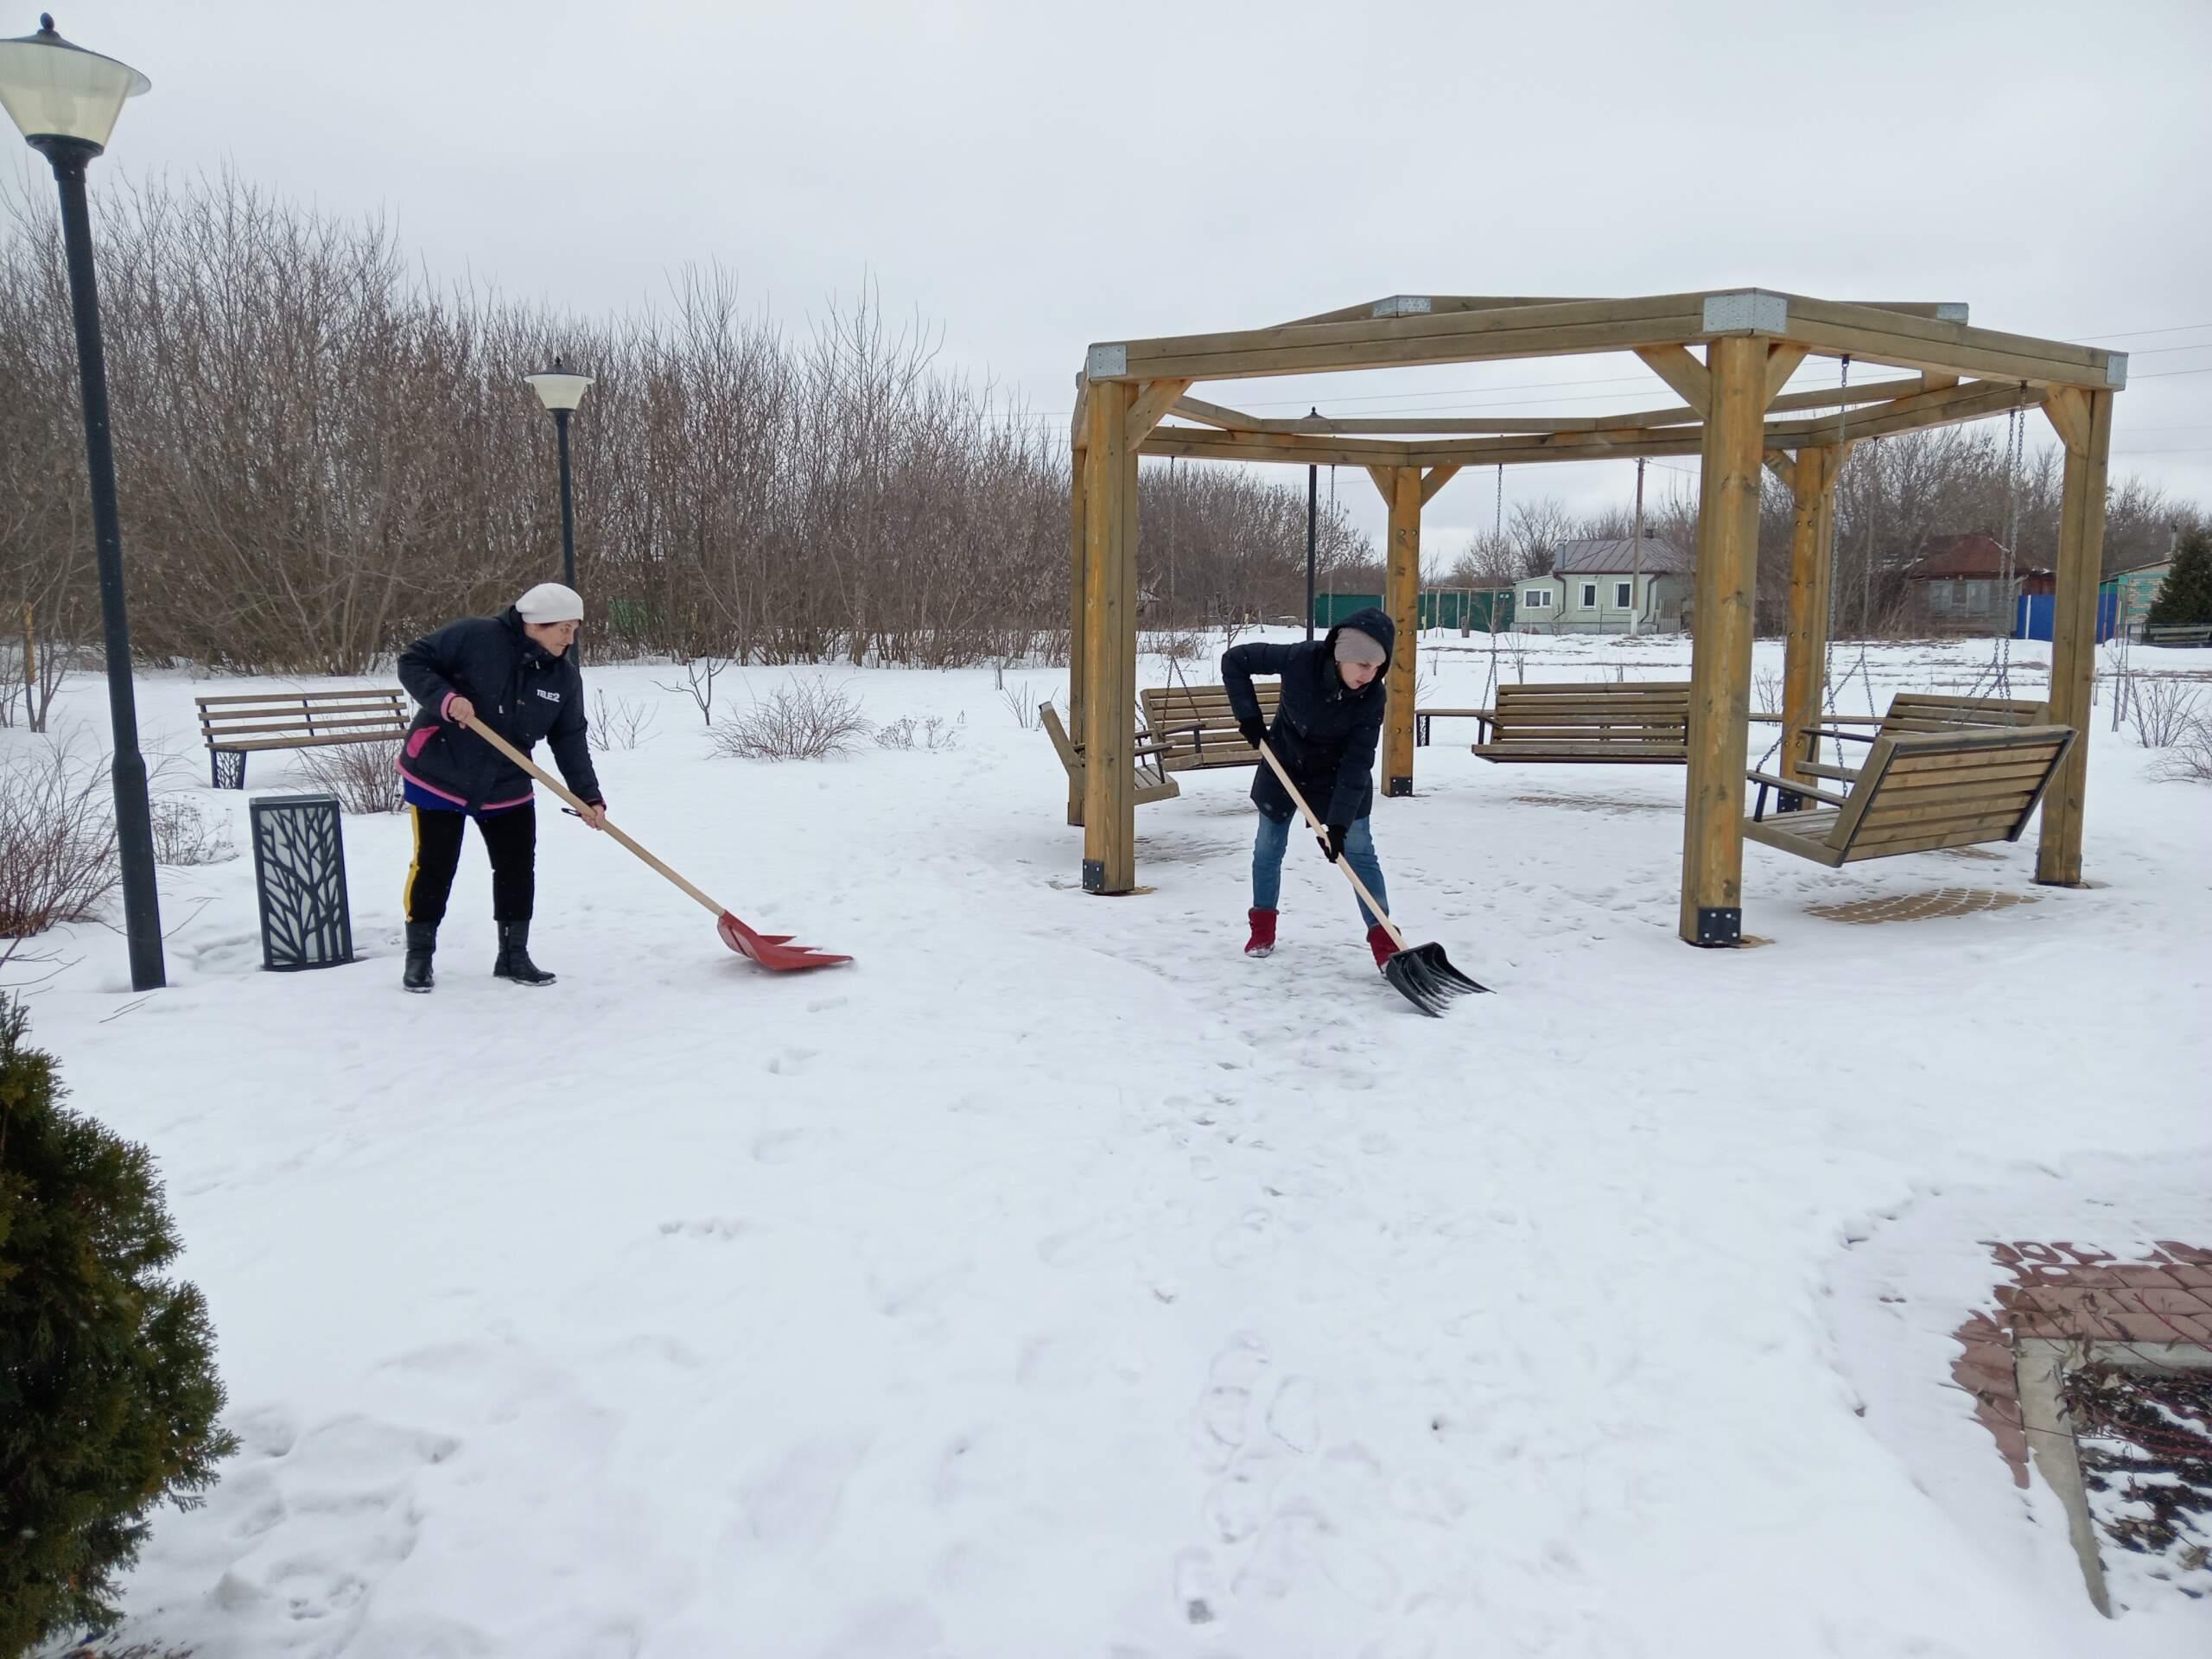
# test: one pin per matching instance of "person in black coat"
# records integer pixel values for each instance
(515, 673)
(1326, 723)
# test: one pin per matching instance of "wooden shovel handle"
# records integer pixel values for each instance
(554, 783)
(1322, 830)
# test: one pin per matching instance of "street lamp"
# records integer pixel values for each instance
(66, 100)
(561, 391)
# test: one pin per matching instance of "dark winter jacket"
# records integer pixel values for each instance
(520, 689)
(1323, 732)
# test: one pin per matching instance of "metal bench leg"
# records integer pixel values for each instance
(226, 768)
(1420, 731)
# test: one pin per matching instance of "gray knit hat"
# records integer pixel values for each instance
(1353, 646)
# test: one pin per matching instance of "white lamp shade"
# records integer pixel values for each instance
(54, 90)
(558, 389)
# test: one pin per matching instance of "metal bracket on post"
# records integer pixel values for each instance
(1399, 786)
(1720, 924)
(1094, 876)
(1751, 311)
(1404, 305)
(1106, 362)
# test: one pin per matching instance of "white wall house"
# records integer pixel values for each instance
(1601, 586)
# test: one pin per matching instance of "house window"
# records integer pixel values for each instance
(1624, 596)
(1536, 599)
(1589, 595)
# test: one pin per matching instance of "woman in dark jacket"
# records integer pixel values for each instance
(1326, 723)
(514, 673)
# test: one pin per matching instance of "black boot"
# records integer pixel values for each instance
(514, 960)
(422, 945)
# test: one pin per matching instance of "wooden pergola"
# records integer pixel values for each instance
(1733, 415)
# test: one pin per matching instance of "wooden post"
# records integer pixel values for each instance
(1721, 652)
(1078, 613)
(2073, 632)
(1109, 808)
(1402, 598)
(1812, 561)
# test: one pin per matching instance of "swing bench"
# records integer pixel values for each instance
(1196, 729)
(1919, 792)
(1150, 783)
(1917, 711)
(1622, 722)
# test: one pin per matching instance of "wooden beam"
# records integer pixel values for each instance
(1437, 478)
(1563, 446)
(1973, 400)
(1435, 303)
(1689, 379)
(1812, 565)
(2074, 643)
(1926, 344)
(1782, 361)
(1231, 420)
(1079, 428)
(1203, 443)
(1386, 480)
(1111, 646)
(2068, 410)
(1154, 401)
(1078, 613)
(1452, 337)
(1402, 597)
(1721, 649)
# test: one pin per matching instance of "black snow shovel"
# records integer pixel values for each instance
(1422, 973)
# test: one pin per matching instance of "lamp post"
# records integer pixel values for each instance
(1312, 510)
(561, 391)
(66, 100)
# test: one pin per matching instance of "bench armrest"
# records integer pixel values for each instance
(1767, 780)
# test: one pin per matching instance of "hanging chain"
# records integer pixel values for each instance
(2016, 435)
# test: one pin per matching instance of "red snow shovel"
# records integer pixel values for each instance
(773, 950)
(1422, 974)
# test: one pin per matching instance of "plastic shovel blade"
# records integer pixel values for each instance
(772, 950)
(1424, 976)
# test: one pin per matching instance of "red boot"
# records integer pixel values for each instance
(1379, 942)
(1263, 942)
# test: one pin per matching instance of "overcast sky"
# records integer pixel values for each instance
(1031, 176)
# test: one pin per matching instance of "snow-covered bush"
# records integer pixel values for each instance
(184, 835)
(108, 1393)
(57, 837)
(365, 777)
(933, 733)
(2190, 757)
(806, 720)
(2163, 711)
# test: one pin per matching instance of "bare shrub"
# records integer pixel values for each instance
(365, 777)
(699, 675)
(1182, 646)
(183, 835)
(2189, 759)
(1766, 690)
(808, 719)
(2163, 711)
(932, 733)
(1023, 702)
(57, 838)
(621, 724)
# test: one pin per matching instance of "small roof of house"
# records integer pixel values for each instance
(2165, 562)
(1619, 557)
(1974, 556)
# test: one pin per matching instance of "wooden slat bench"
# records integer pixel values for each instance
(1196, 728)
(233, 727)
(1151, 784)
(2178, 633)
(1920, 792)
(1919, 711)
(1422, 716)
(1626, 722)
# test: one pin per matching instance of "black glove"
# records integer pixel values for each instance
(1253, 731)
(1332, 843)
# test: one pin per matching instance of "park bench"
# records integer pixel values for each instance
(1919, 791)
(2178, 633)
(235, 726)
(1626, 722)
(1150, 783)
(1422, 716)
(1196, 728)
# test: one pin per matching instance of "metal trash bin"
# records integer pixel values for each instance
(299, 871)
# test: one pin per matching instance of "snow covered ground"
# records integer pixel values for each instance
(1056, 1283)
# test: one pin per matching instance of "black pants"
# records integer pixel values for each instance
(511, 837)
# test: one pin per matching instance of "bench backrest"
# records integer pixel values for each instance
(1596, 711)
(277, 714)
(1152, 785)
(1196, 728)
(1923, 790)
(1927, 711)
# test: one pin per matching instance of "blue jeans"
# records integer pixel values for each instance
(1273, 839)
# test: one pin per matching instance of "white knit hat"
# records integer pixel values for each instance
(550, 602)
(1354, 647)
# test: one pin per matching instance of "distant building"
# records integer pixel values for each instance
(1960, 585)
(1600, 587)
(2133, 592)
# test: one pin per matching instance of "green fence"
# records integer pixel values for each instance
(1448, 607)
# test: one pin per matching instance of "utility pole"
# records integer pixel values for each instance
(1636, 583)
